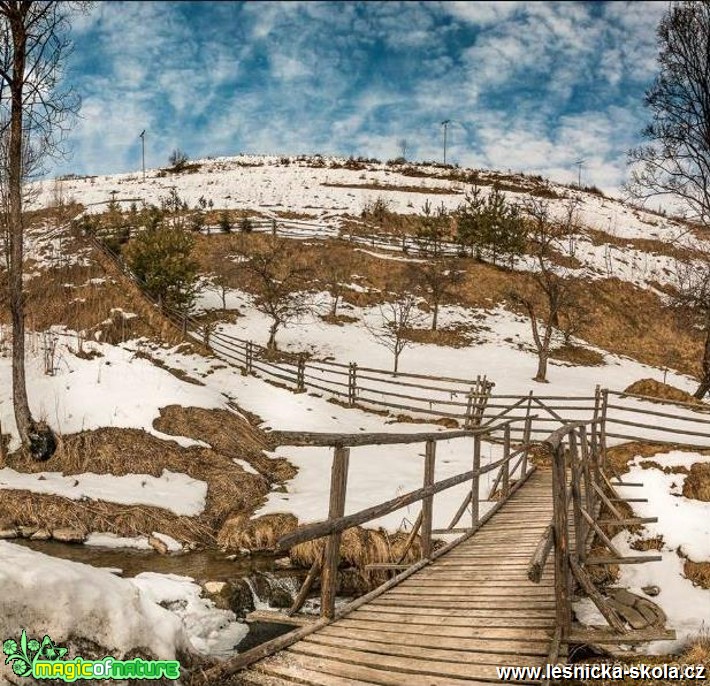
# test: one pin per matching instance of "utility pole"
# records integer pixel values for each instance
(580, 164)
(142, 137)
(445, 124)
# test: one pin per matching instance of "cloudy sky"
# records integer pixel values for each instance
(527, 86)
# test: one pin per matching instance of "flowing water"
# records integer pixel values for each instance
(201, 565)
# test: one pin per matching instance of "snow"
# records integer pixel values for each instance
(108, 540)
(210, 630)
(684, 524)
(176, 492)
(163, 613)
(115, 389)
(46, 595)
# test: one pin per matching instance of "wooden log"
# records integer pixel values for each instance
(460, 511)
(410, 539)
(604, 538)
(331, 557)
(590, 589)
(306, 586)
(628, 521)
(274, 617)
(310, 532)
(629, 560)
(539, 558)
(562, 582)
(427, 502)
(579, 524)
(604, 636)
(505, 469)
(476, 481)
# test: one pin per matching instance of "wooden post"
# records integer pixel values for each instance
(331, 558)
(584, 451)
(300, 374)
(428, 501)
(505, 486)
(602, 435)
(527, 431)
(249, 357)
(273, 227)
(475, 481)
(561, 538)
(580, 525)
(352, 383)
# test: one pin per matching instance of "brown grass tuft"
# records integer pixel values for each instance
(698, 649)
(239, 531)
(577, 355)
(662, 391)
(697, 483)
(698, 573)
(644, 544)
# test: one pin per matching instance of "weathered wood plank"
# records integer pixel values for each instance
(371, 645)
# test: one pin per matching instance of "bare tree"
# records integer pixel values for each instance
(396, 319)
(34, 113)
(692, 303)
(675, 161)
(548, 239)
(336, 270)
(278, 279)
(437, 278)
(402, 143)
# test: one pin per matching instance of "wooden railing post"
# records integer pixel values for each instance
(505, 485)
(561, 538)
(331, 557)
(428, 501)
(580, 524)
(300, 374)
(476, 480)
(352, 383)
(602, 433)
(249, 357)
(586, 473)
(527, 431)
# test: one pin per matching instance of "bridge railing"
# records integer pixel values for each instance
(581, 493)
(508, 472)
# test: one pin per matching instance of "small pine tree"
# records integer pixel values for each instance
(161, 258)
(225, 222)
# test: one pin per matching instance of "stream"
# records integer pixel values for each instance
(258, 571)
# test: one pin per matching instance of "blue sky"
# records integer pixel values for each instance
(528, 86)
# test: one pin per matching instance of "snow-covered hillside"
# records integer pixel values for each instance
(127, 385)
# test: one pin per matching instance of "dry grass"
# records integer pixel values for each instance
(662, 391)
(698, 573)
(376, 186)
(620, 455)
(619, 317)
(645, 544)
(697, 483)
(123, 451)
(577, 355)
(239, 531)
(228, 434)
(451, 336)
(698, 649)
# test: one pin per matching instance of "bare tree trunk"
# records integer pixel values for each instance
(271, 344)
(396, 362)
(435, 318)
(704, 386)
(334, 306)
(23, 416)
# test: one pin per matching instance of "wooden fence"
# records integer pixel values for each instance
(586, 507)
(470, 402)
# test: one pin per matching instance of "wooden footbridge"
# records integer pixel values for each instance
(499, 595)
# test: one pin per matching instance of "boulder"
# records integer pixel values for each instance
(68, 534)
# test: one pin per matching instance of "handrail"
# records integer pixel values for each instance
(334, 440)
